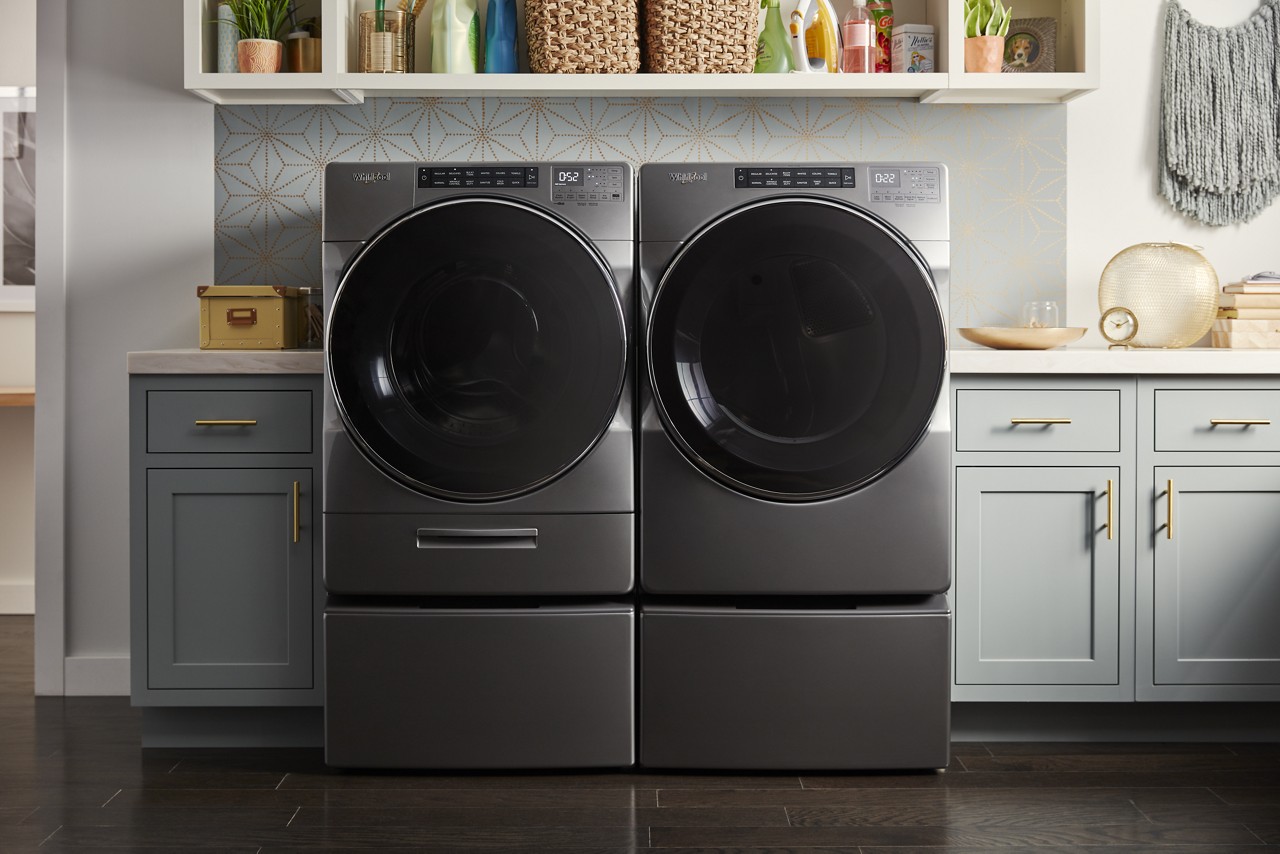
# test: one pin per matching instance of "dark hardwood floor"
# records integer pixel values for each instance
(72, 776)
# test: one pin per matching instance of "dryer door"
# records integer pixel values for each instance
(476, 348)
(796, 348)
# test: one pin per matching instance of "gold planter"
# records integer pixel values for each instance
(303, 53)
(259, 56)
(984, 54)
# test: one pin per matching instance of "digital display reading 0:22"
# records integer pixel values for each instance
(889, 179)
(568, 178)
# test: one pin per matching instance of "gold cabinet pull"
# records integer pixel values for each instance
(297, 524)
(226, 422)
(1168, 518)
(1111, 509)
(1017, 421)
(1240, 422)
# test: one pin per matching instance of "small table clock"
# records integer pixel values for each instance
(1119, 326)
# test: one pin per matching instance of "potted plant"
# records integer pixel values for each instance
(986, 23)
(258, 23)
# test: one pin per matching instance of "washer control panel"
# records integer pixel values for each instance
(914, 184)
(462, 177)
(799, 177)
(587, 184)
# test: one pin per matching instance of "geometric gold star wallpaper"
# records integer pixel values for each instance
(1007, 167)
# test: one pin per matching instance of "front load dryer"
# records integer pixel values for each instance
(478, 465)
(794, 466)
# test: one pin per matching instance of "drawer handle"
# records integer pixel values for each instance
(1111, 500)
(242, 317)
(477, 538)
(1240, 422)
(297, 524)
(226, 422)
(1016, 421)
(1168, 511)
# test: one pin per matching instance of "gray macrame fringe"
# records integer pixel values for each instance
(1220, 115)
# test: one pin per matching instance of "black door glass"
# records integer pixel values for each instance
(796, 349)
(477, 349)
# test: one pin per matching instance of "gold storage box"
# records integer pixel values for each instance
(249, 317)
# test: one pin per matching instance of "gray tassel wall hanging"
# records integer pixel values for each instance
(1220, 115)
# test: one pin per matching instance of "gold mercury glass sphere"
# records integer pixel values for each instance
(1171, 288)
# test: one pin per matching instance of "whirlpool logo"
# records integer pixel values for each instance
(370, 177)
(688, 177)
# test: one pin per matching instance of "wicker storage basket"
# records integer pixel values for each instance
(583, 36)
(697, 36)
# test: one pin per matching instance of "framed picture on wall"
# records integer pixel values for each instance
(1031, 45)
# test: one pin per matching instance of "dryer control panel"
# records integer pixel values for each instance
(904, 184)
(587, 184)
(465, 177)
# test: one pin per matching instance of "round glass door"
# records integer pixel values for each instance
(477, 348)
(796, 348)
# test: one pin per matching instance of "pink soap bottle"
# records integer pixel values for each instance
(858, 31)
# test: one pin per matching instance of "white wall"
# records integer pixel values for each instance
(137, 223)
(18, 43)
(1113, 197)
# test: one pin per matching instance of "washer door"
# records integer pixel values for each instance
(796, 348)
(477, 348)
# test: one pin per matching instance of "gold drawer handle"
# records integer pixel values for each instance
(297, 524)
(1016, 421)
(1168, 518)
(232, 422)
(1241, 422)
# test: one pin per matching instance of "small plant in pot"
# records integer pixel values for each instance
(258, 23)
(986, 23)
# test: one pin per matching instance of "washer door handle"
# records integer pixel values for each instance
(477, 538)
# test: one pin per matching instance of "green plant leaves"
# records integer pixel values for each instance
(986, 18)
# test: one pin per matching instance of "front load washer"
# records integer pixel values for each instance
(794, 466)
(479, 505)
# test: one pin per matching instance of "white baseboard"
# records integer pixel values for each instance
(97, 676)
(17, 597)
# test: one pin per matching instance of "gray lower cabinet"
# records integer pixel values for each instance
(1043, 588)
(226, 593)
(1209, 565)
(1037, 592)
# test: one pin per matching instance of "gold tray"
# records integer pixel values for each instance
(1022, 337)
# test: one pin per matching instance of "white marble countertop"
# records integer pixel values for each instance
(1096, 360)
(226, 362)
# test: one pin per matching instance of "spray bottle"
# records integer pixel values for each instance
(773, 53)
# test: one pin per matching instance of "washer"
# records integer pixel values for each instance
(794, 466)
(479, 507)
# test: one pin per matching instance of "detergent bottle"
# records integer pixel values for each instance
(857, 54)
(455, 37)
(773, 54)
(815, 37)
(500, 37)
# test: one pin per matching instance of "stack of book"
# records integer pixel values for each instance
(1249, 313)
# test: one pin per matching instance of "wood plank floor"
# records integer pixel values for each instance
(72, 777)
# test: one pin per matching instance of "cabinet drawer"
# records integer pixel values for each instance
(1185, 420)
(281, 422)
(988, 420)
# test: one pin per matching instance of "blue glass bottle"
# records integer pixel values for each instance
(500, 37)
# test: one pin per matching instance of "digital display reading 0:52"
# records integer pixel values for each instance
(568, 178)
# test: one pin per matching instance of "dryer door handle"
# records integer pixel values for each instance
(477, 538)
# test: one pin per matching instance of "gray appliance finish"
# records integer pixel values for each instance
(794, 451)
(478, 458)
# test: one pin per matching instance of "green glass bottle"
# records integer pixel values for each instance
(773, 51)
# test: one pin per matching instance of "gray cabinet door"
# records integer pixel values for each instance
(1217, 576)
(229, 578)
(1037, 580)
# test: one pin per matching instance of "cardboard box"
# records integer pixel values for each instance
(249, 317)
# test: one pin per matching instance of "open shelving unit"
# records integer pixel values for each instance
(339, 83)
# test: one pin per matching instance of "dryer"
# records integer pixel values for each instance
(794, 466)
(479, 505)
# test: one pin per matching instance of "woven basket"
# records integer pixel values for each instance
(583, 36)
(698, 36)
